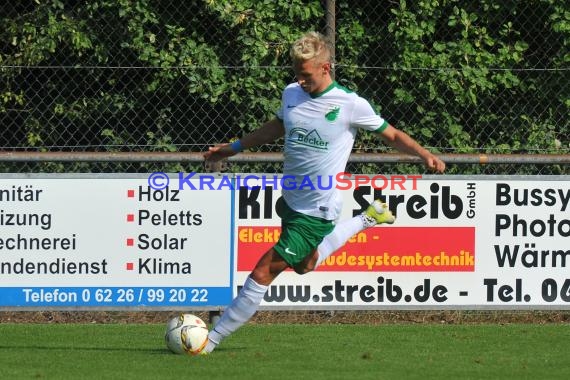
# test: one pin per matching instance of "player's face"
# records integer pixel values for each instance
(313, 77)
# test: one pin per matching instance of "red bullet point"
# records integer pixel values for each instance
(130, 193)
(130, 242)
(129, 266)
(130, 217)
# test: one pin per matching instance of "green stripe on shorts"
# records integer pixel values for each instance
(300, 233)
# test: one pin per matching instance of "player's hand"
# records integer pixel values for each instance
(219, 152)
(434, 163)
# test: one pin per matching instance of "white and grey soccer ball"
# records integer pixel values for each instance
(186, 334)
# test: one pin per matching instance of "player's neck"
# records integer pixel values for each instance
(327, 83)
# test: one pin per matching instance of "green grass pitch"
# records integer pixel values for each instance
(293, 351)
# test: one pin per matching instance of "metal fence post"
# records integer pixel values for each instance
(331, 31)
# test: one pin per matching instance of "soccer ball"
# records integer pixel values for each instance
(186, 333)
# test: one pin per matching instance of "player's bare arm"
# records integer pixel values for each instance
(267, 133)
(404, 143)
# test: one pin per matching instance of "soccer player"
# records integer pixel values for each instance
(318, 119)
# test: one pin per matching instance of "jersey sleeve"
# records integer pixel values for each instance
(284, 96)
(279, 113)
(364, 117)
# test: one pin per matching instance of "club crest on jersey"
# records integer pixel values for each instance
(305, 137)
(332, 113)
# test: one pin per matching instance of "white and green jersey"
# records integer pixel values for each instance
(319, 134)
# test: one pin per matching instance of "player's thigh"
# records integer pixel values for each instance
(308, 264)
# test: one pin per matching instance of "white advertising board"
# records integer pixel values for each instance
(109, 241)
(482, 242)
(82, 241)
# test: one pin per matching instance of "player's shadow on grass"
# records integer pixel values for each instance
(156, 351)
(152, 351)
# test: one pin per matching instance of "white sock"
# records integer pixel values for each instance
(338, 237)
(238, 313)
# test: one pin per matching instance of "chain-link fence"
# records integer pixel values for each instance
(461, 77)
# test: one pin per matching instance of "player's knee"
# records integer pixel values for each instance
(260, 277)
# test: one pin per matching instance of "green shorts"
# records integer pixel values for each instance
(300, 233)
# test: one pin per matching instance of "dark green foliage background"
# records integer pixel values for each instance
(459, 76)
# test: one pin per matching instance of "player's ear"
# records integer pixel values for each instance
(326, 67)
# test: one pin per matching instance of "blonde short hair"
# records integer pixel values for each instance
(311, 45)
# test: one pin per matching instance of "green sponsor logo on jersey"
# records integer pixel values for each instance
(305, 137)
(332, 114)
